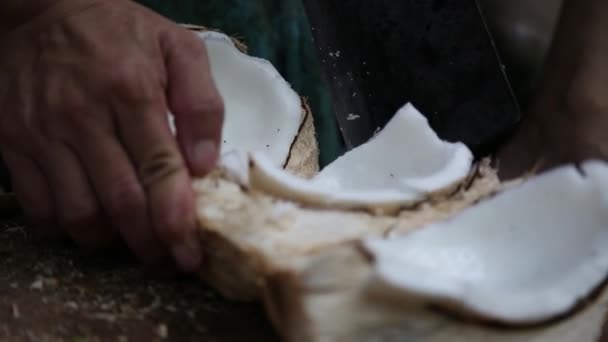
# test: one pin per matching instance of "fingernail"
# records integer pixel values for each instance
(204, 156)
(188, 255)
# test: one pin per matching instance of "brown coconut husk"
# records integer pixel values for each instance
(307, 267)
(303, 160)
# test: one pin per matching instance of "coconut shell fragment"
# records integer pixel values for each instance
(525, 256)
(403, 165)
(262, 112)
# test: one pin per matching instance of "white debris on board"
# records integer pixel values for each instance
(101, 316)
(353, 116)
(162, 331)
(37, 285)
(335, 54)
(16, 311)
(71, 305)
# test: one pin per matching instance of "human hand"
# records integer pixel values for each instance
(558, 131)
(85, 91)
(568, 119)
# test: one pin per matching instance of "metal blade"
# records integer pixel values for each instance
(377, 55)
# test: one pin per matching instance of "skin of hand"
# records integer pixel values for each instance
(568, 120)
(85, 90)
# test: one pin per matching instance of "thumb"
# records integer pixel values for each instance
(194, 100)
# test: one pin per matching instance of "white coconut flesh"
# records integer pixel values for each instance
(402, 165)
(262, 112)
(528, 255)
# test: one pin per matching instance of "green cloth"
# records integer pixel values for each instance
(276, 30)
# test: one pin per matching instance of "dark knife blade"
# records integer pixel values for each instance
(377, 55)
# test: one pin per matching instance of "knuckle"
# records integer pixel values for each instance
(130, 84)
(69, 119)
(125, 198)
(119, 75)
(82, 222)
(160, 165)
(191, 44)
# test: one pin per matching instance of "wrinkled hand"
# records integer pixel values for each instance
(85, 89)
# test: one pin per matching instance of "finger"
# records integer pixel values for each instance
(119, 192)
(77, 208)
(522, 153)
(31, 189)
(194, 100)
(152, 147)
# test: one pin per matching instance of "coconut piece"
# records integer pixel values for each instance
(525, 256)
(327, 300)
(407, 155)
(313, 278)
(401, 166)
(248, 234)
(303, 159)
(262, 113)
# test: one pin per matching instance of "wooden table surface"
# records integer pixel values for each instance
(51, 291)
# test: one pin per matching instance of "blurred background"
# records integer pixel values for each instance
(278, 30)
